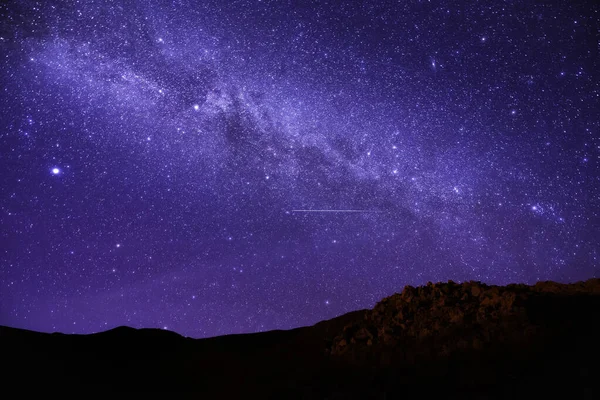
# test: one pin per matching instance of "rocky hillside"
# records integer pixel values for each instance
(442, 319)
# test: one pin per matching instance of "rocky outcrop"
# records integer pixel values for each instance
(446, 318)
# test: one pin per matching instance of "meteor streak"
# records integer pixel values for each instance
(339, 211)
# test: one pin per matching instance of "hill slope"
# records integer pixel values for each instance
(465, 340)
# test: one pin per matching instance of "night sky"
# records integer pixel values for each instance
(222, 166)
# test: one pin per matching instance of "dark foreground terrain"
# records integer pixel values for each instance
(451, 340)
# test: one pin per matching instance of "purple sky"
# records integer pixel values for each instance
(155, 156)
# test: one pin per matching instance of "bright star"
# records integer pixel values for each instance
(55, 171)
(196, 107)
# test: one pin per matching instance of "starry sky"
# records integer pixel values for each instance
(217, 167)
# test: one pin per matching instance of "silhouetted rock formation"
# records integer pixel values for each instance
(450, 340)
(440, 319)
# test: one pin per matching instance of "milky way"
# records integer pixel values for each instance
(179, 164)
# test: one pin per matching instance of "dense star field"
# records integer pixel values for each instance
(221, 167)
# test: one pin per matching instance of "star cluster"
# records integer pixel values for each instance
(179, 164)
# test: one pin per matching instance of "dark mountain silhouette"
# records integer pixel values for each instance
(466, 340)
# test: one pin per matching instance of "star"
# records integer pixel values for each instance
(55, 171)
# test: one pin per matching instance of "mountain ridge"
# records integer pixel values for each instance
(467, 340)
